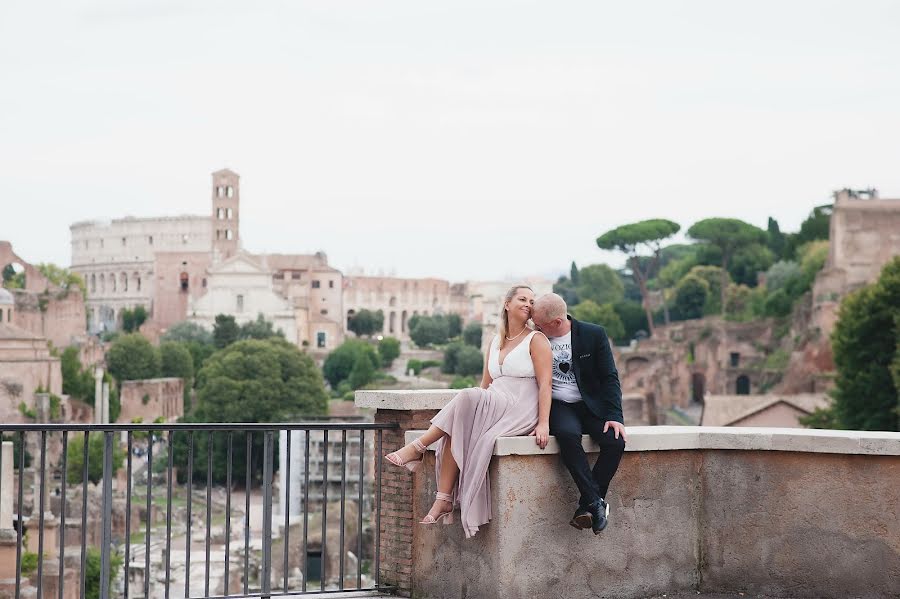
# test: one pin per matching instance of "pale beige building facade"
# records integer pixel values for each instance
(864, 235)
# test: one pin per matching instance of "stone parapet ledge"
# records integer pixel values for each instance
(674, 438)
(407, 400)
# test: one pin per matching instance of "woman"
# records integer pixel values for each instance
(514, 399)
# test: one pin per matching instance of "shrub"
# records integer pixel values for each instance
(388, 350)
(469, 361)
(414, 365)
(472, 334)
(463, 382)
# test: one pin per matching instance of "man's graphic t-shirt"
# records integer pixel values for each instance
(564, 386)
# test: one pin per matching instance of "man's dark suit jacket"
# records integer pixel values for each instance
(595, 371)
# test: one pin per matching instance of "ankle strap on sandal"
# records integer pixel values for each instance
(419, 446)
(443, 496)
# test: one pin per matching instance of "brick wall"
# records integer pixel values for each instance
(397, 522)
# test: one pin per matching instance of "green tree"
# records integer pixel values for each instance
(601, 284)
(176, 361)
(225, 331)
(93, 570)
(252, 380)
(469, 361)
(429, 330)
(630, 239)
(62, 277)
(566, 290)
(748, 262)
(131, 357)
(691, 295)
(362, 373)
(259, 329)
(186, 331)
(454, 325)
(75, 457)
(781, 274)
(340, 362)
(451, 352)
(133, 319)
(472, 334)
(775, 239)
(604, 315)
(78, 383)
(574, 274)
(713, 277)
(633, 318)
(727, 235)
(366, 323)
(388, 350)
(864, 343)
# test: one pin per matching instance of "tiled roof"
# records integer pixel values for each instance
(723, 410)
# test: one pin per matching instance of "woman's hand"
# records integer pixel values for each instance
(541, 434)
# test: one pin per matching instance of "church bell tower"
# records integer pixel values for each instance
(226, 196)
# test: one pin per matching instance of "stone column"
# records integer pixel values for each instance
(98, 395)
(104, 411)
(410, 410)
(7, 533)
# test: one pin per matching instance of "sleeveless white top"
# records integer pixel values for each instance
(517, 362)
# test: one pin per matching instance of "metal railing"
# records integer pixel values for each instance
(186, 449)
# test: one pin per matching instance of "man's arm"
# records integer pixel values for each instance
(608, 377)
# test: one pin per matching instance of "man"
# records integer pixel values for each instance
(587, 398)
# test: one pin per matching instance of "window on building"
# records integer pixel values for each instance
(137, 281)
(112, 280)
(184, 238)
(735, 359)
(101, 243)
(316, 284)
(124, 241)
(228, 234)
(150, 239)
(184, 281)
(218, 234)
(219, 213)
(204, 283)
(331, 284)
(240, 303)
(742, 385)
(229, 191)
(295, 276)
(229, 213)
(323, 311)
(219, 191)
(320, 340)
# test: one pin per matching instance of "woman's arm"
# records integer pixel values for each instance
(542, 358)
(486, 379)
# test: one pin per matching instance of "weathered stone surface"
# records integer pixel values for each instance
(425, 399)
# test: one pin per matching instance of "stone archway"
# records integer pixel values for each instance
(698, 387)
(742, 385)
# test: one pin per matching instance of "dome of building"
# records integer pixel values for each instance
(6, 298)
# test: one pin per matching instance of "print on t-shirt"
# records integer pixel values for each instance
(562, 365)
(565, 386)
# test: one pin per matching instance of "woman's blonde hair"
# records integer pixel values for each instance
(503, 327)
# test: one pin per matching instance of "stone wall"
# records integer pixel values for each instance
(783, 512)
(152, 398)
(741, 513)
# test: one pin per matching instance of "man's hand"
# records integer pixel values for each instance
(618, 429)
(541, 434)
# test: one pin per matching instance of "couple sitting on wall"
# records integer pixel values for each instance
(559, 379)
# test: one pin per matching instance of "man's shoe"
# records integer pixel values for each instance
(582, 519)
(599, 511)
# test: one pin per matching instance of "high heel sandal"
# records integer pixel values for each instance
(443, 517)
(411, 465)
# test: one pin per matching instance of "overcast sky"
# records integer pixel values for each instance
(464, 140)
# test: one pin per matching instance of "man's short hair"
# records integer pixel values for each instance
(550, 306)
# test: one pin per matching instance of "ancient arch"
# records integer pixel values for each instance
(698, 387)
(742, 385)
